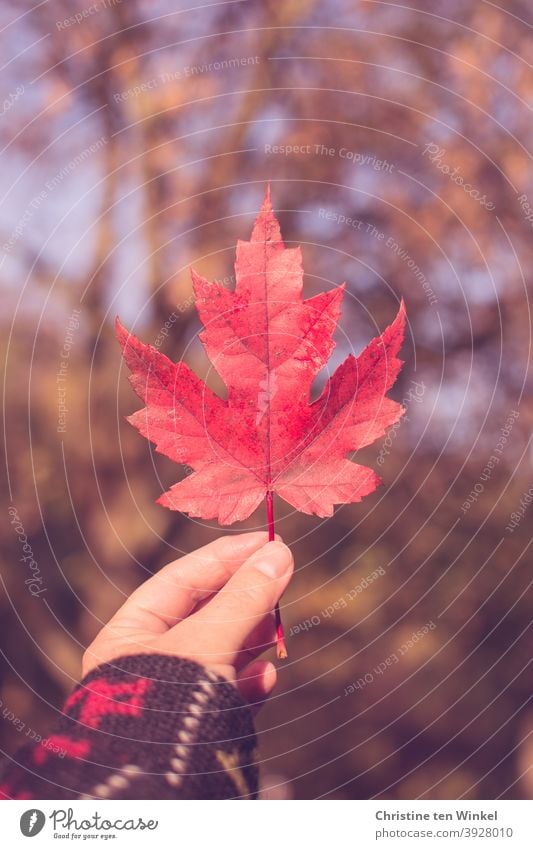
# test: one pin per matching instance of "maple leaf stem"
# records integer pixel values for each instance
(280, 636)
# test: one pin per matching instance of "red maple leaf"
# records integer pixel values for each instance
(268, 345)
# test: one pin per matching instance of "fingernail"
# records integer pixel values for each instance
(274, 559)
(250, 536)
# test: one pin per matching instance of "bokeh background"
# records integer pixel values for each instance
(136, 141)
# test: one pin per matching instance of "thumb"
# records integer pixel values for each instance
(249, 596)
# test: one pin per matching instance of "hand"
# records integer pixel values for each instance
(213, 606)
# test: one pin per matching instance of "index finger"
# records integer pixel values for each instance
(172, 593)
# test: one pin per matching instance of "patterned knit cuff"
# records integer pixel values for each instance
(148, 726)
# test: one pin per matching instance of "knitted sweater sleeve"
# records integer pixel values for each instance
(142, 727)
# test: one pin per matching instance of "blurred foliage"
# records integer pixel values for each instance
(176, 178)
